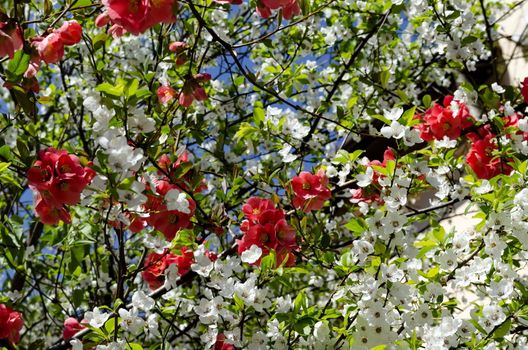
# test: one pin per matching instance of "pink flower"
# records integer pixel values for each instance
(71, 327)
(202, 77)
(165, 94)
(51, 48)
(178, 46)
(161, 11)
(289, 8)
(136, 16)
(33, 67)
(116, 31)
(129, 14)
(10, 39)
(102, 20)
(70, 32)
(311, 191)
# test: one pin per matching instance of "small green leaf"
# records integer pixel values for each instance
(384, 78)
(4, 166)
(426, 101)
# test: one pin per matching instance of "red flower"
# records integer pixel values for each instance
(221, 343)
(255, 206)
(185, 99)
(70, 32)
(524, 89)
(441, 121)
(67, 190)
(51, 213)
(165, 94)
(171, 221)
(71, 327)
(156, 264)
(51, 48)
(263, 236)
(161, 11)
(136, 16)
(482, 161)
(289, 8)
(137, 223)
(285, 234)
(11, 323)
(10, 39)
(267, 228)
(200, 94)
(263, 11)
(363, 195)
(311, 191)
(129, 14)
(40, 176)
(57, 178)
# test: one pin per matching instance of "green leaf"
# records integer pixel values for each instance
(4, 166)
(503, 329)
(132, 88)
(244, 131)
(382, 118)
(258, 115)
(82, 3)
(18, 64)
(356, 226)
(110, 89)
(5, 152)
(408, 116)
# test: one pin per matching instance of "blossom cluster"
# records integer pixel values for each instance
(57, 179)
(51, 47)
(157, 264)
(310, 191)
(266, 228)
(191, 90)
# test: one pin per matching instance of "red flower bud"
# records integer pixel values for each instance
(70, 32)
